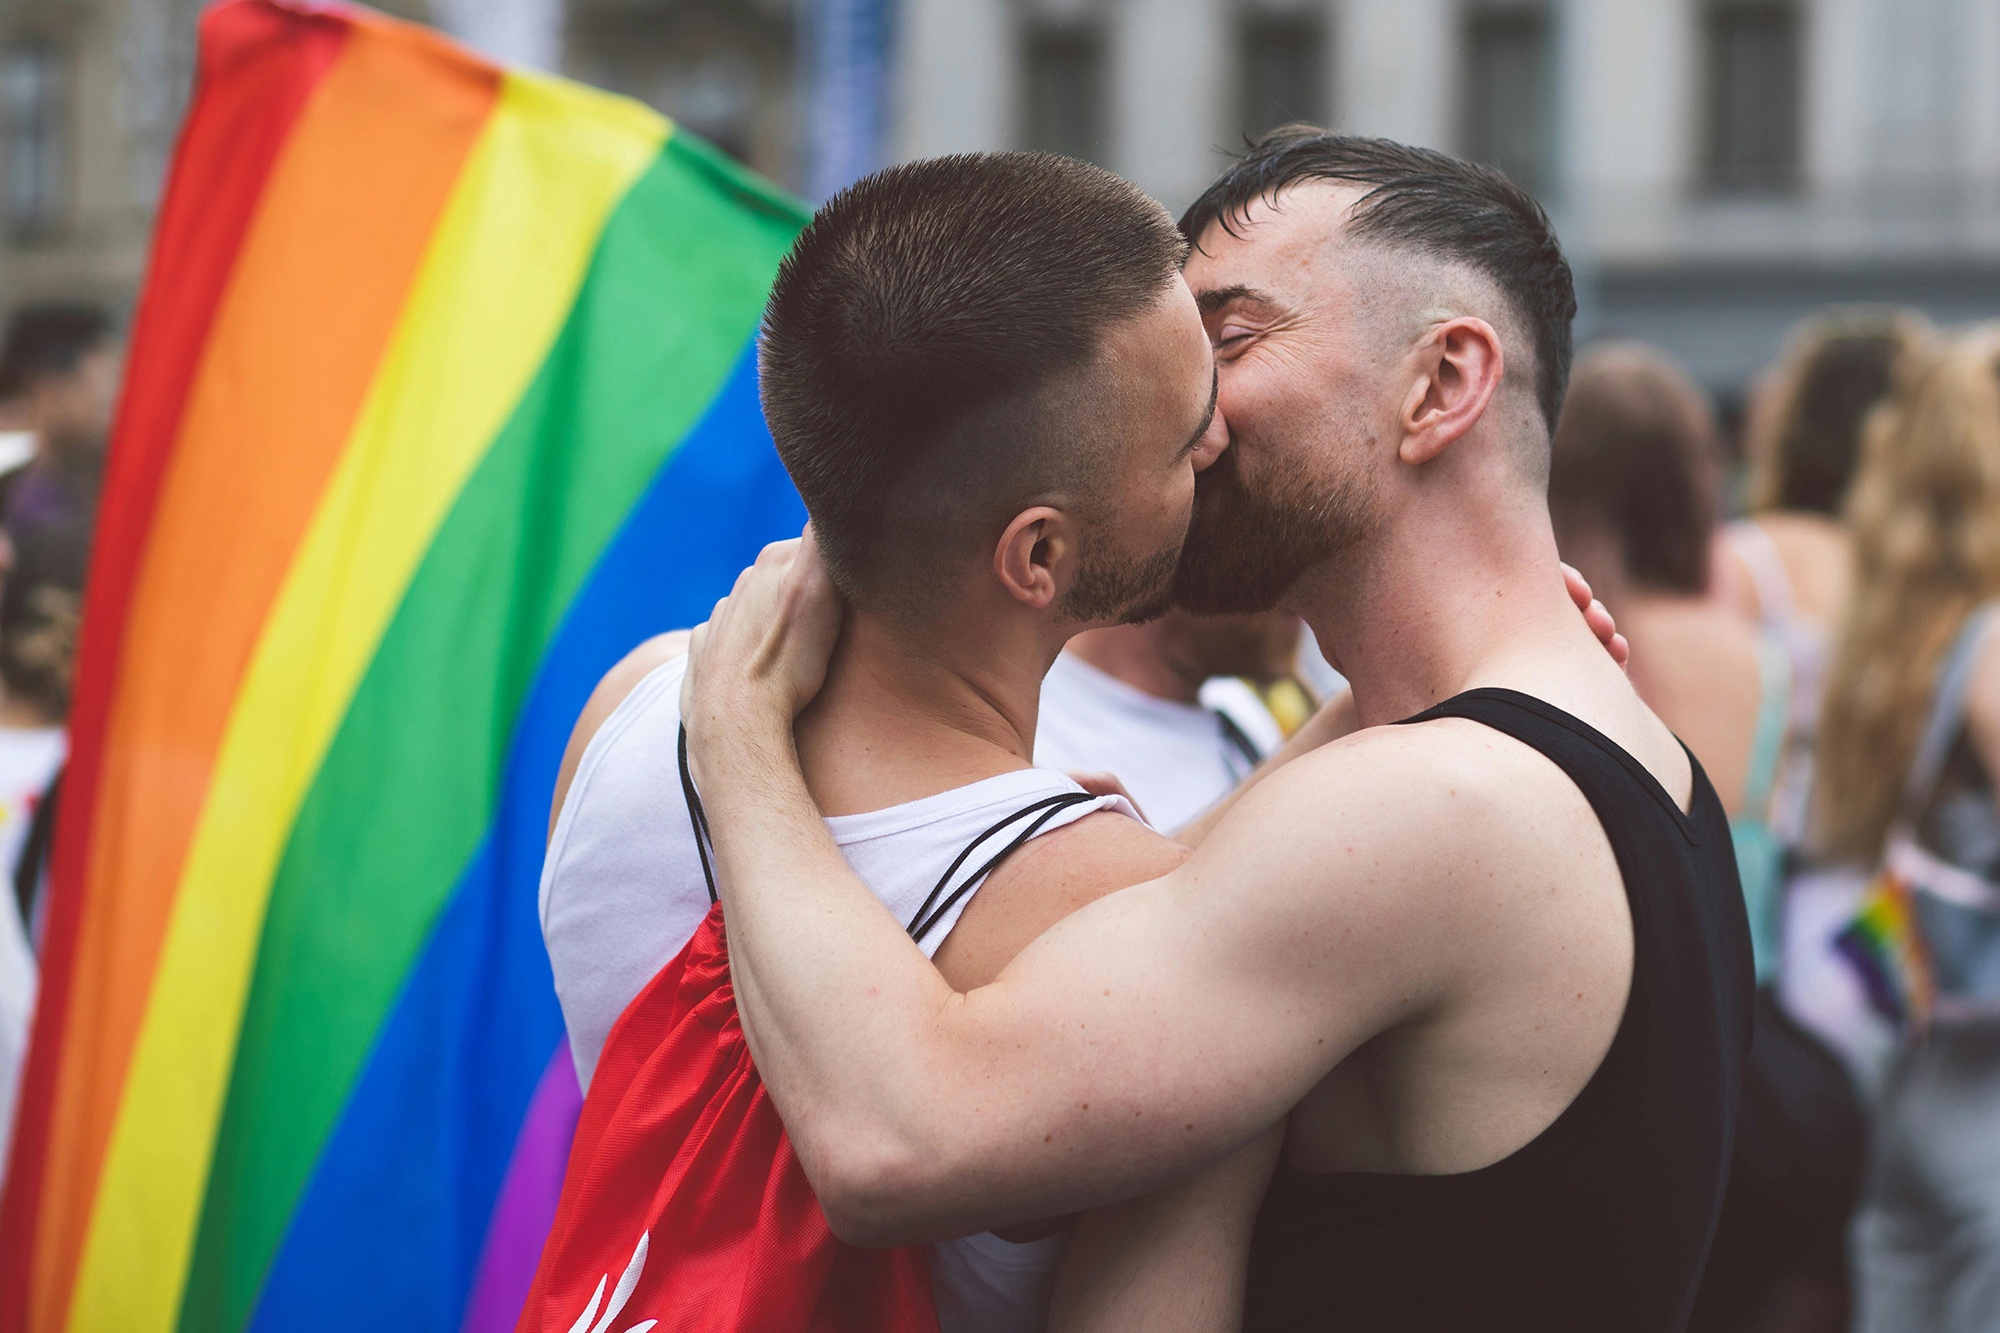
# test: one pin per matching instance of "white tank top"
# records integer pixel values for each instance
(623, 891)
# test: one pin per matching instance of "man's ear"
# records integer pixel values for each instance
(1035, 554)
(1459, 368)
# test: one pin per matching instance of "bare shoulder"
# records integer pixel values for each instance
(618, 683)
(1401, 841)
(1385, 785)
(1045, 881)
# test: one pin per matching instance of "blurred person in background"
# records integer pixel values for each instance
(1906, 781)
(1634, 488)
(59, 372)
(1159, 706)
(66, 360)
(40, 608)
(17, 435)
(1786, 566)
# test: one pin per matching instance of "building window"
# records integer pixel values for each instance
(31, 123)
(1283, 71)
(1508, 112)
(1752, 132)
(1063, 97)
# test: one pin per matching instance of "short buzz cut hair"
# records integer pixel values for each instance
(912, 328)
(1431, 203)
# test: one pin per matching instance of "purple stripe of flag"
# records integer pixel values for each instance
(527, 1203)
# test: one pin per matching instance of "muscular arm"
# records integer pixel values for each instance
(1151, 1033)
(1148, 1035)
(1175, 1259)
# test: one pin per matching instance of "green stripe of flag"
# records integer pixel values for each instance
(674, 294)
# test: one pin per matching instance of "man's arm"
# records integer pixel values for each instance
(1175, 1259)
(1153, 1032)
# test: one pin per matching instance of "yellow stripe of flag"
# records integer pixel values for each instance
(503, 270)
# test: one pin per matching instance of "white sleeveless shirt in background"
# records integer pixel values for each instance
(622, 893)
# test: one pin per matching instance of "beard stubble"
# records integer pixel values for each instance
(1247, 546)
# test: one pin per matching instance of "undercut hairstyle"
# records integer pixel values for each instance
(920, 348)
(1637, 458)
(1429, 202)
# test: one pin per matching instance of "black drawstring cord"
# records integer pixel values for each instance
(1048, 808)
(697, 816)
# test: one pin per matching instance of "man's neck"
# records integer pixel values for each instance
(1132, 654)
(1445, 601)
(909, 713)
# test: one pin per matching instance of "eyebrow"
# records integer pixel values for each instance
(1208, 418)
(1216, 299)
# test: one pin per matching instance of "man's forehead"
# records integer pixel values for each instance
(1273, 245)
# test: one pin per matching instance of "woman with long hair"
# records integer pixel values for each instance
(1908, 759)
(1786, 567)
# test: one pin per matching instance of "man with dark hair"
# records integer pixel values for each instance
(1472, 994)
(991, 384)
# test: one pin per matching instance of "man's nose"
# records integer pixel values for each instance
(1213, 441)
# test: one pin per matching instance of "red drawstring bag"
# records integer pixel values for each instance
(684, 1208)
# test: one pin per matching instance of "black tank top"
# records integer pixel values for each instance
(1602, 1222)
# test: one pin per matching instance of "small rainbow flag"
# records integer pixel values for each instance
(441, 397)
(1884, 945)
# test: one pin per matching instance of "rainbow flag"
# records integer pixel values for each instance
(1884, 946)
(441, 398)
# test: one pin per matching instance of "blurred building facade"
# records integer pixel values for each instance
(1717, 167)
(92, 93)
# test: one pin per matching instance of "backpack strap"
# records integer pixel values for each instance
(697, 817)
(1037, 816)
(1947, 713)
(1774, 712)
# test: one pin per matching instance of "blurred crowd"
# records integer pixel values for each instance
(59, 375)
(1830, 656)
(1829, 659)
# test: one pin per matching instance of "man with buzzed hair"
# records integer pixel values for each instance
(993, 390)
(1472, 994)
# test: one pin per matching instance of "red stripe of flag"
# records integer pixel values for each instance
(251, 96)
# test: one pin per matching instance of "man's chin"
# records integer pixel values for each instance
(1148, 612)
(1211, 591)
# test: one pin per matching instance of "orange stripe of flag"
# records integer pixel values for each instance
(323, 276)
